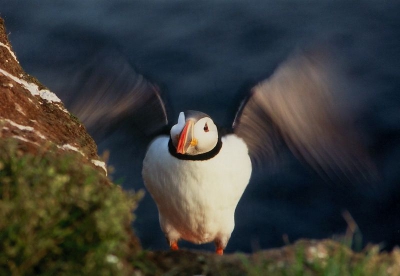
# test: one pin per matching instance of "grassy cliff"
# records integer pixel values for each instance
(59, 216)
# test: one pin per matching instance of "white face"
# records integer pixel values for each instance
(199, 136)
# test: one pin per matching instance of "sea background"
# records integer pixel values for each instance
(202, 53)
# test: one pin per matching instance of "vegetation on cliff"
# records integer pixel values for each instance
(61, 216)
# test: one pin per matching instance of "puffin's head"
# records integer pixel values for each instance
(195, 133)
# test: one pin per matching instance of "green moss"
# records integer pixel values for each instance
(333, 259)
(60, 216)
(305, 257)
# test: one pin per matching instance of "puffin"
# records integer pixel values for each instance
(196, 170)
(197, 177)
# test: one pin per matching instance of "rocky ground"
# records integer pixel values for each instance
(34, 115)
(305, 257)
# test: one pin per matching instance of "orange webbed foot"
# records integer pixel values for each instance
(219, 251)
(174, 246)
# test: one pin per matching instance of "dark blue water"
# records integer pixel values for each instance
(201, 53)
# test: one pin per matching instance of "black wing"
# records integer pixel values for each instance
(107, 91)
(299, 104)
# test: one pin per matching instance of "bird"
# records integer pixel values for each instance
(197, 178)
(195, 170)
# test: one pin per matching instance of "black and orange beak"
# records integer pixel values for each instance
(186, 138)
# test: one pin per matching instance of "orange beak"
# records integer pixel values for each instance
(185, 138)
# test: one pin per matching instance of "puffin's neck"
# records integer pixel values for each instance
(197, 157)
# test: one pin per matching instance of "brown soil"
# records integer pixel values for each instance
(51, 124)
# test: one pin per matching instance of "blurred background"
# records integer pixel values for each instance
(202, 53)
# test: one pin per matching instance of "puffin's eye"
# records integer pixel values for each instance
(206, 128)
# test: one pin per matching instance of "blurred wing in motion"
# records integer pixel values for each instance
(108, 90)
(299, 104)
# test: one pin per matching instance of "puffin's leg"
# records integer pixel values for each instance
(220, 244)
(174, 245)
(219, 251)
(171, 234)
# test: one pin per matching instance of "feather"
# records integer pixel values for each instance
(108, 91)
(300, 104)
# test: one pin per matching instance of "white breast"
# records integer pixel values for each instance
(197, 199)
